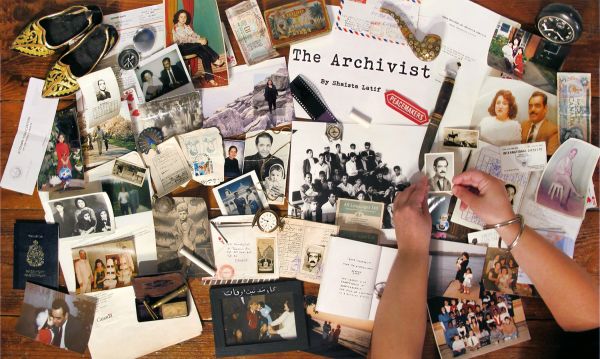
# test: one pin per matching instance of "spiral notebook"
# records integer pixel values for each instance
(243, 254)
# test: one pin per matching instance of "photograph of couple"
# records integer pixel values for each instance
(468, 328)
(510, 112)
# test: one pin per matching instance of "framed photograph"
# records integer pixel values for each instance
(181, 221)
(127, 198)
(104, 266)
(458, 137)
(439, 169)
(129, 172)
(503, 116)
(243, 195)
(163, 74)
(258, 318)
(467, 328)
(195, 26)
(267, 154)
(85, 215)
(62, 167)
(109, 140)
(525, 56)
(246, 104)
(234, 157)
(44, 311)
(173, 116)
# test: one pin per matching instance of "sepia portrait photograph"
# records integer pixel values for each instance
(439, 169)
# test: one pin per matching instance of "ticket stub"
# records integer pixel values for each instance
(526, 157)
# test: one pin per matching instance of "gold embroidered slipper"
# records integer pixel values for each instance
(42, 37)
(79, 61)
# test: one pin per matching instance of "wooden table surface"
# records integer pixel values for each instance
(547, 339)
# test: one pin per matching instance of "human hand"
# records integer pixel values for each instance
(489, 201)
(202, 41)
(412, 219)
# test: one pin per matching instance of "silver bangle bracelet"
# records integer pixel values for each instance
(511, 246)
(518, 218)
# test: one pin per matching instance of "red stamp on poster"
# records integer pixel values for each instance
(406, 107)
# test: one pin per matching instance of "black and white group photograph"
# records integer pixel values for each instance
(173, 116)
(83, 215)
(363, 167)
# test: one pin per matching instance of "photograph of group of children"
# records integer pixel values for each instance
(472, 327)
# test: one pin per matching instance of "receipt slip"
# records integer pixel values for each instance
(29, 146)
(527, 157)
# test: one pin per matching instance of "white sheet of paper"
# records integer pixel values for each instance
(386, 261)
(487, 237)
(526, 157)
(117, 332)
(349, 278)
(234, 243)
(466, 29)
(127, 24)
(169, 168)
(29, 144)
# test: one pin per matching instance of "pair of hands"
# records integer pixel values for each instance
(484, 194)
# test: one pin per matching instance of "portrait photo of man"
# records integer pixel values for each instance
(67, 329)
(537, 127)
(172, 75)
(102, 93)
(262, 160)
(312, 261)
(440, 168)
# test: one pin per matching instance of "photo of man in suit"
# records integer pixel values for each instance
(172, 76)
(68, 330)
(438, 182)
(102, 94)
(262, 160)
(538, 128)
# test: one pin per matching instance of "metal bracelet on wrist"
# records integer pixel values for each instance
(518, 218)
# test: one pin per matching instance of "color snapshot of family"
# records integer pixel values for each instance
(259, 318)
(501, 273)
(467, 327)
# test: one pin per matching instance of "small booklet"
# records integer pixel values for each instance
(354, 278)
(359, 220)
(302, 246)
(35, 254)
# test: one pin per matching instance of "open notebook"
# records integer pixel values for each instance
(354, 274)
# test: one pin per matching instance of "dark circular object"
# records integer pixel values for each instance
(559, 23)
(128, 59)
(144, 39)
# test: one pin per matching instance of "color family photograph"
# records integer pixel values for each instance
(471, 327)
(525, 56)
(195, 26)
(105, 265)
(243, 195)
(58, 319)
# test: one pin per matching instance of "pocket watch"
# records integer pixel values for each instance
(559, 23)
(267, 220)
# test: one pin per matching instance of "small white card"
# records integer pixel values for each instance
(101, 96)
(29, 145)
(487, 237)
(526, 157)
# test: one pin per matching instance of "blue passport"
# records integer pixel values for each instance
(35, 254)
